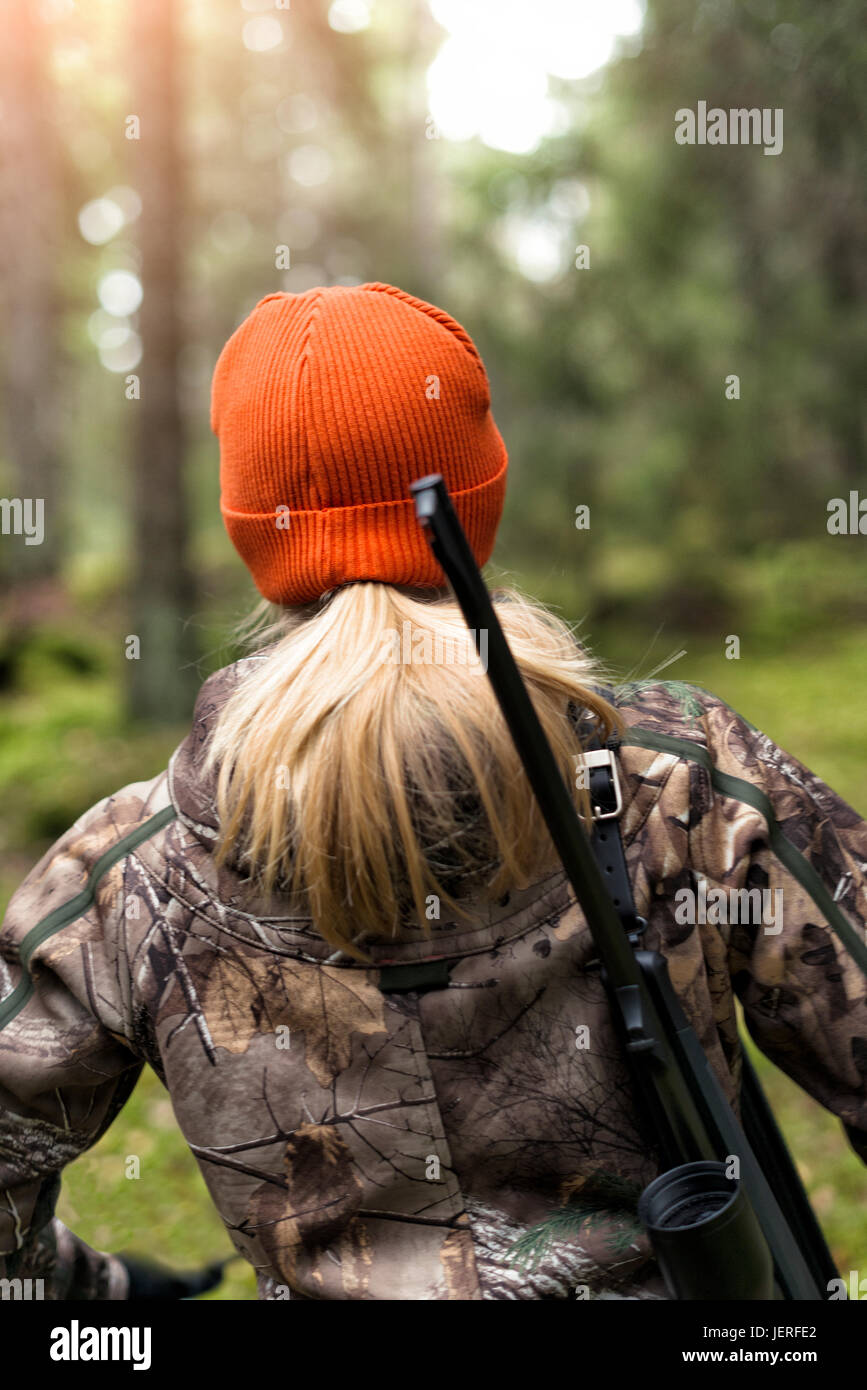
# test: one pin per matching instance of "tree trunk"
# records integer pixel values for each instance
(28, 232)
(162, 679)
(423, 240)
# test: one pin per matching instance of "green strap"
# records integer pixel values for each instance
(67, 912)
(741, 790)
(425, 974)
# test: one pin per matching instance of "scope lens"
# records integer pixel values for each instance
(696, 1208)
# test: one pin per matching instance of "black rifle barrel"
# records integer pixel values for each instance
(691, 1118)
(683, 1133)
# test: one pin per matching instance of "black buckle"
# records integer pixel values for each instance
(634, 938)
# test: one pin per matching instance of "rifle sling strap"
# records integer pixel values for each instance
(605, 840)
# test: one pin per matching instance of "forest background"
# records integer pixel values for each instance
(165, 165)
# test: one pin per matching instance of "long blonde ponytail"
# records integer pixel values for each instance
(365, 762)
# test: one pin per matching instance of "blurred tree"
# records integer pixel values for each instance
(608, 382)
(163, 680)
(30, 232)
(706, 261)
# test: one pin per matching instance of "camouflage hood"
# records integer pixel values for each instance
(365, 1136)
(192, 789)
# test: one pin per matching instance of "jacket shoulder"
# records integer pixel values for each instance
(66, 880)
(679, 709)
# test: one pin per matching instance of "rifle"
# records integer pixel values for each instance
(715, 1235)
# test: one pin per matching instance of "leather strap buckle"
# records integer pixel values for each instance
(603, 757)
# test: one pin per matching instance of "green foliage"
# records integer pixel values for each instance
(705, 262)
(605, 1201)
(64, 740)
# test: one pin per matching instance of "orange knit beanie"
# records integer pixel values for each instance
(327, 405)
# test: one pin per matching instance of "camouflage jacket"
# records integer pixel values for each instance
(450, 1143)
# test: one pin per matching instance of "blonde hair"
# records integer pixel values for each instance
(368, 778)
